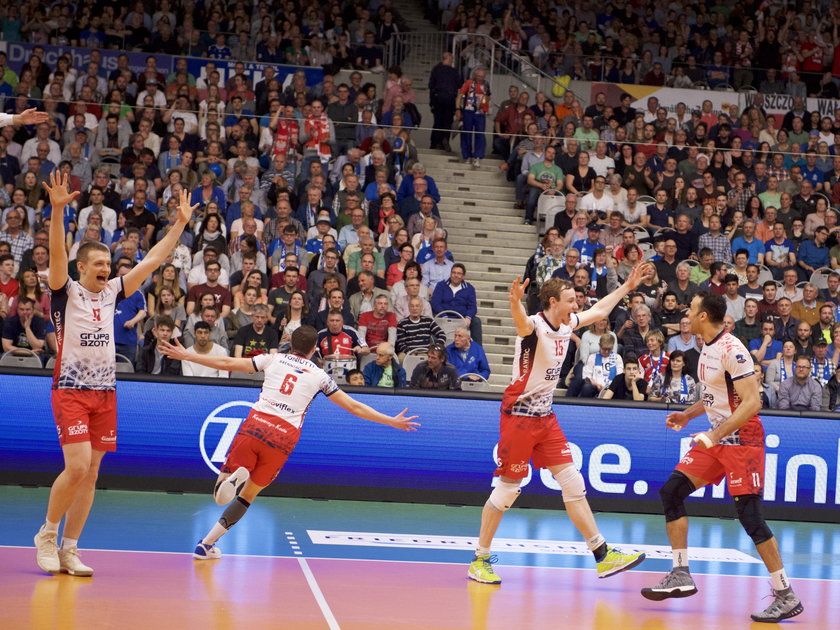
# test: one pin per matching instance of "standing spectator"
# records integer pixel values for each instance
(467, 356)
(151, 360)
(204, 345)
(444, 82)
(435, 372)
(257, 337)
(801, 393)
(343, 114)
(458, 295)
(378, 325)
(474, 102)
(385, 371)
(128, 313)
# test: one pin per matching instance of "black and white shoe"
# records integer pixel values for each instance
(677, 583)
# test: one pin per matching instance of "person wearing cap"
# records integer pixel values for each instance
(587, 246)
(822, 367)
(153, 89)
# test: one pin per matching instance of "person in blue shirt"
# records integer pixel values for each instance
(587, 246)
(467, 356)
(384, 371)
(813, 254)
(766, 348)
(754, 247)
(127, 314)
(458, 295)
(811, 172)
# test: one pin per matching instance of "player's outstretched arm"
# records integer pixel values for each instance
(154, 259)
(60, 195)
(524, 326)
(229, 364)
(605, 305)
(400, 421)
(27, 117)
(747, 390)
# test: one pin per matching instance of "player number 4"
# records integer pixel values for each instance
(288, 384)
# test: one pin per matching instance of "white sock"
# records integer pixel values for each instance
(217, 532)
(680, 558)
(50, 527)
(596, 541)
(482, 551)
(780, 580)
(66, 543)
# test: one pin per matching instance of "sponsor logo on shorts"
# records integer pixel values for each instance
(109, 438)
(219, 429)
(520, 467)
(77, 429)
(735, 482)
(687, 459)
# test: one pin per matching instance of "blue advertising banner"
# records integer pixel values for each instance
(254, 70)
(183, 431)
(19, 53)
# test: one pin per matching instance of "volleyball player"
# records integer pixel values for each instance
(84, 379)
(529, 428)
(269, 434)
(732, 448)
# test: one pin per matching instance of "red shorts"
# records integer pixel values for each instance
(524, 438)
(262, 445)
(743, 467)
(86, 415)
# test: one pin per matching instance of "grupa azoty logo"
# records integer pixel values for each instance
(225, 418)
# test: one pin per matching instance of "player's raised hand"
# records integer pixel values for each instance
(59, 191)
(185, 210)
(31, 117)
(640, 272)
(517, 288)
(400, 421)
(173, 350)
(676, 420)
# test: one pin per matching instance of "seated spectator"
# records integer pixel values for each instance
(631, 387)
(333, 301)
(435, 372)
(734, 300)
(354, 263)
(715, 282)
(813, 253)
(458, 295)
(128, 314)
(363, 300)
(467, 356)
(655, 360)
(385, 371)
(438, 268)
(785, 324)
(800, 393)
(823, 368)
(802, 341)
(417, 331)
(151, 360)
(748, 327)
(8, 284)
(766, 348)
(822, 329)
(279, 297)
(338, 342)
(204, 345)
(214, 286)
(703, 271)
(378, 325)
(355, 378)
(257, 337)
(633, 331)
(782, 368)
(682, 286)
(674, 385)
(295, 315)
(808, 308)
(599, 370)
(25, 329)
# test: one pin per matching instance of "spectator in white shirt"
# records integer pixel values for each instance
(203, 345)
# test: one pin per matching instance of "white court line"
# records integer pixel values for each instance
(319, 596)
(513, 566)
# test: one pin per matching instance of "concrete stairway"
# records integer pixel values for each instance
(486, 234)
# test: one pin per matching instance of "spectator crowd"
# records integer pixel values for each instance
(312, 205)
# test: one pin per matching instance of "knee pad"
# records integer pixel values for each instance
(571, 484)
(748, 507)
(234, 512)
(673, 494)
(503, 495)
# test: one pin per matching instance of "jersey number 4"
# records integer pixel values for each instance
(288, 384)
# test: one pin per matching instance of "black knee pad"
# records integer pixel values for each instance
(748, 507)
(673, 494)
(235, 511)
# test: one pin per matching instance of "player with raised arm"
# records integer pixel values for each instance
(529, 428)
(732, 448)
(84, 380)
(269, 434)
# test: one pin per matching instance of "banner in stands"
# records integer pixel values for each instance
(183, 431)
(18, 54)
(226, 68)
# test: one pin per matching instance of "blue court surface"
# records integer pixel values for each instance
(336, 545)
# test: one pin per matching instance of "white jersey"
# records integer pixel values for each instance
(291, 382)
(84, 331)
(537, 364)
(722, 362)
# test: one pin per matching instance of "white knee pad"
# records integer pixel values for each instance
(571, 484)
(503, 495)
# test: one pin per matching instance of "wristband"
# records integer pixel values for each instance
(705, 439)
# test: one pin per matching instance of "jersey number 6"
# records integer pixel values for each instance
(288, 384)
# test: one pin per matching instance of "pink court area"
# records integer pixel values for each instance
(155, 591)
